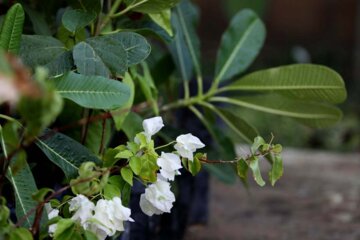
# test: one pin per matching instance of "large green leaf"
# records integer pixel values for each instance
(65, 152)
(11, 30)
(311, 113)
(24, 186)
(240, 45)
(151, 6)
(136, 46)
(304, 81)
(75, 19)
(88, 62)
(92, 91)
(185, 47)
(19, 174)
(45, 51)
(111, 53)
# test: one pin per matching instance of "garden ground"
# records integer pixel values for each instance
(318, 198)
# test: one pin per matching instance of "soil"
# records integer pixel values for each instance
(317, 198)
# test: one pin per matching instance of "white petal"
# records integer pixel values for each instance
(147, 207)
(152, 125)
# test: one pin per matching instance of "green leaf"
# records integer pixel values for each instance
(240, 45)
(163, 19)
(277, 169)
(66, 230)
(74, 20)
(194, 166)
(135, 164)
(24, 186)
(254, 166)
(185, 48)
(111, 191)
(258, 142)
(132, 125)
(40, 195)
(11, 30)
(20, 234)
(90, 235)
(92, 91)
(242, 169)
(119, 115)
(127, 175)
(310, 113)
(148, 87)
(91, 5)
(45, 51)
(110, 53)
(88, 62)
(65, 152)
(136, 46)
(303, 81)
(124, 154)
(151, 6)
(109, 157)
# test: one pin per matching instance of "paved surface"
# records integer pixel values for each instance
(317, 198)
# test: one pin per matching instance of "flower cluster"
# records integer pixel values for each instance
(158, 197)
(106, 217)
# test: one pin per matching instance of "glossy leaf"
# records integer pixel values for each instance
(240, 45)
(92, 91)
(151, 6)
(185, 48)
(163, 19)
(11, 30)
(310, 113)
(65, 152)
(303, 81)
(74, 19)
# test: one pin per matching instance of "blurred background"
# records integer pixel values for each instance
(319, 195)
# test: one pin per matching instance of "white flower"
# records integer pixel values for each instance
(157, 198)
(170, 164)
(187, 144)
(109, 217)
(152, 126)
(83, 208)
(52, 213)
